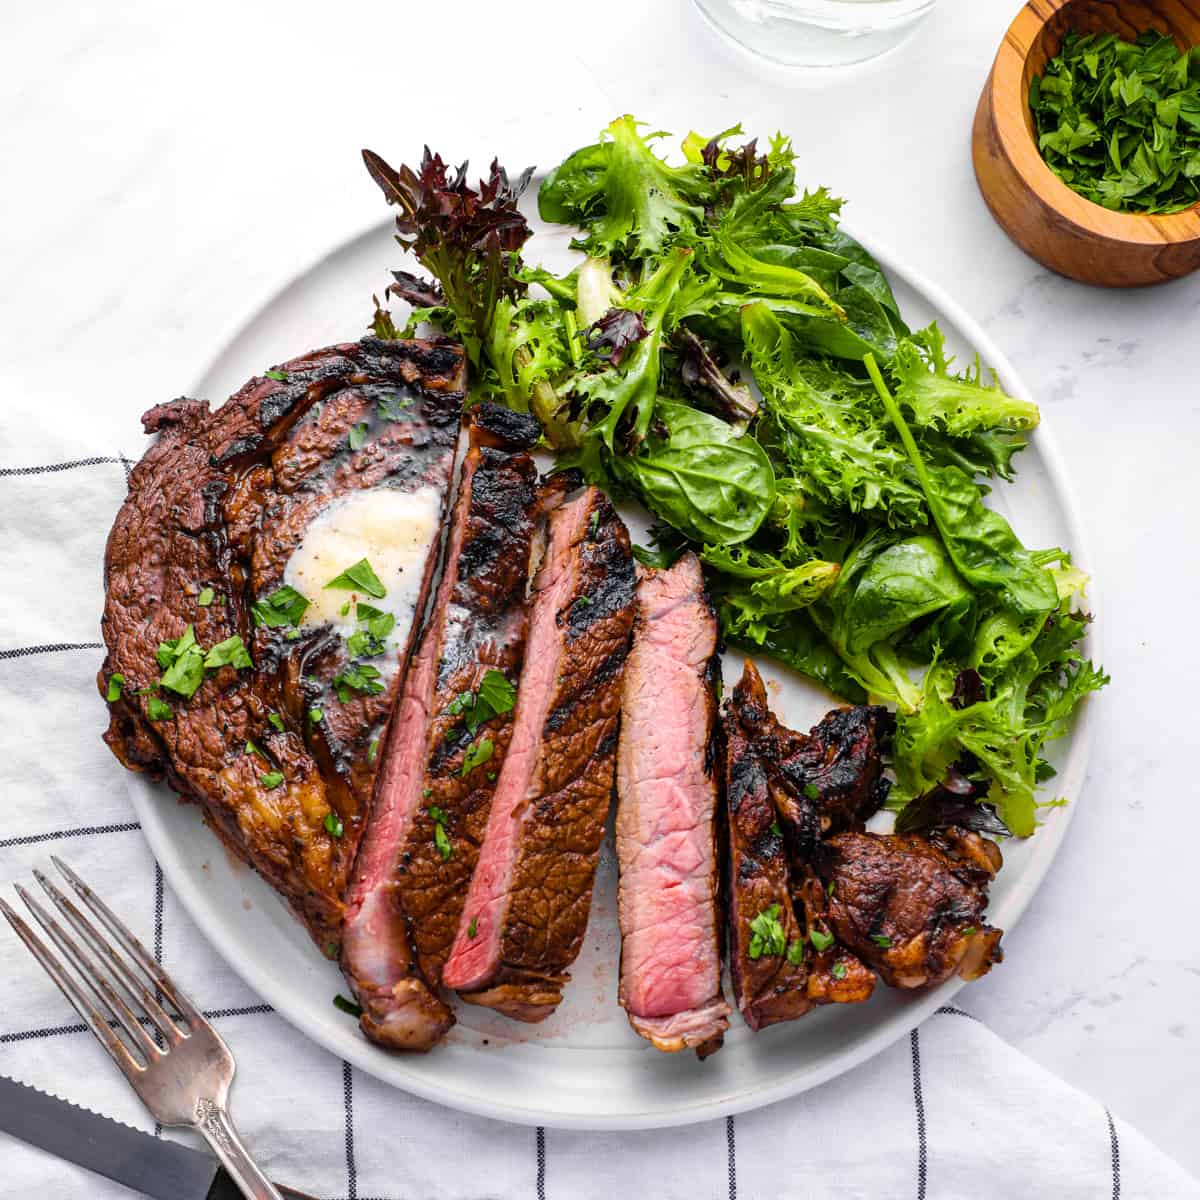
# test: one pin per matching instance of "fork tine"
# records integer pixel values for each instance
(126, 980)
(133, 947)
(93, 976)
(89, 1013)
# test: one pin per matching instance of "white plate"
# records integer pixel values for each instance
(583, 1068)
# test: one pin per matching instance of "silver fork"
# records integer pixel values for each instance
(184, 1082)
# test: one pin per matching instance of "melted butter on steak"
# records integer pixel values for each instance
(393, 530)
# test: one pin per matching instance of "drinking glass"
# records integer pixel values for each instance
(816, 33)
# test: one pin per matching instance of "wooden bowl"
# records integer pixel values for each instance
(1035, 208)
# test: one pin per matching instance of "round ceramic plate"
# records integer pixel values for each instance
(583, 1068)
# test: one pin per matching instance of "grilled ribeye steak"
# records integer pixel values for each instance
(527, 908)
(451, 732)
(668, 785)
(783, 958)
(223, 510)
(912, 906)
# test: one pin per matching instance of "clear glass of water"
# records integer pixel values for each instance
(816, 33)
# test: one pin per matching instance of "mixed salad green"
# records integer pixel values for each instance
(726, 354)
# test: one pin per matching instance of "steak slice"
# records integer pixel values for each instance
(223, 502)
(912, 906)
(410, 881)
(527, 908)
(769, 984)
(668, 786)
(783, 957)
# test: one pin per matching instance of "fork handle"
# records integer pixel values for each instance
(220, 1134)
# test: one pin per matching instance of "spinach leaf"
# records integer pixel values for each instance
(701, 478)
(902, 584)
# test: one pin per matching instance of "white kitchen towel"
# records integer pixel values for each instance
(949, 1113)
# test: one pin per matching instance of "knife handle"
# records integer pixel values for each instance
(220, 1134)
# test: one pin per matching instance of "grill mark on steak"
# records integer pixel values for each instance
(206, 508)
(666, 830)
(527, 908)
(405, 898)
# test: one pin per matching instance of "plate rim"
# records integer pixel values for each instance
(390, 1069)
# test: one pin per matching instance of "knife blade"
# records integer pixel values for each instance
(153, 1166)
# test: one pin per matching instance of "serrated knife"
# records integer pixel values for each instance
(150, 1165)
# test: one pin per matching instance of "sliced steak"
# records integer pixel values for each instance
(912, 906)
(769, 985)
(410, 880)
(527, 908)
(784, 959)
(216, 512)
(668, 785)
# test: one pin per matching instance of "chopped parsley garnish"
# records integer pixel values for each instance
(251, 748)
(391, 408)
(477, 755)
(829, 889)
(231, 652)
(358, 677)
(272, 779)
(115, 683)
(491, 777)
(284, 606)
(183, 664)
(821, 941)
(158, 710)
(368, 639)
(595, 522)
(839, 970)
(812, 791)
(292, 635)
(583, 602)
(360, 577)
(206, 597)
(881, 939)
(775, 829)
(360, 644)
(277, 375)
(442, 842)
(795, 952)
(768, 936)
(473, 927)
(427, 792)
(497, 691)
(333, 825)
(440, 838)
(970, 931)
(315, 715)
(373, 750)
(496, 695)
(347, 1006)
(276, 721)
(344, 610)
(358, 435)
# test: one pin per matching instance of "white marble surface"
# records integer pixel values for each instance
(166, 168)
